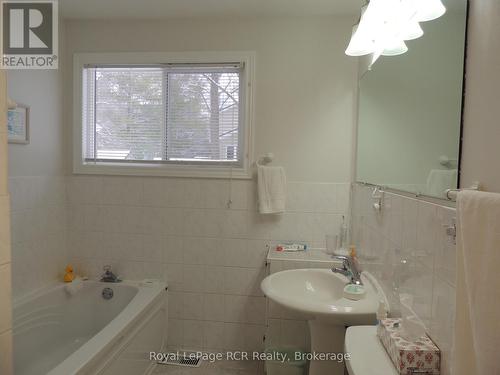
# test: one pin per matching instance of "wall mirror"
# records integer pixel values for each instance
(410, 111)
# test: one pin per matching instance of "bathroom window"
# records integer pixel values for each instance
(181, 118)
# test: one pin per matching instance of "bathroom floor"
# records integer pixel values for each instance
(216, 368)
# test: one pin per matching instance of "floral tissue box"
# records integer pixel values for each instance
(410, 358)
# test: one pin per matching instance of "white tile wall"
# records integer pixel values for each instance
(38, 231)
(178, 229)
(212, 257)
(410, 230)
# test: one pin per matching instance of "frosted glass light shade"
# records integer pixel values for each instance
(385, 25)
(428, 10)
(412, 31)
(360, 44)
(394, 48)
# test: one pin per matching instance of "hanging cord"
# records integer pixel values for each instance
(230, 190)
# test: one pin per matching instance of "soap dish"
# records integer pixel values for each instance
(354, 292)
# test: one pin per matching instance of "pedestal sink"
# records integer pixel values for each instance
(319, 295)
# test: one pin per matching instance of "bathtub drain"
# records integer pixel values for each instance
(107, 293)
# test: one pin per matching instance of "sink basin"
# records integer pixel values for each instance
(318, 294)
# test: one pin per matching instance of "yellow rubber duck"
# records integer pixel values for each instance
(69, 276)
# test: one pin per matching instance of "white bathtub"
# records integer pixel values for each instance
(61, 334)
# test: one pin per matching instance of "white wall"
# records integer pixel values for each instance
(41, 91)
(5, 252)
(481, 155)
(37, 183)
(304, 82)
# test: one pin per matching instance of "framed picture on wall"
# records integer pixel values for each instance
(18, 128)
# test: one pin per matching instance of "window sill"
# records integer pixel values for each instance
(162, 170)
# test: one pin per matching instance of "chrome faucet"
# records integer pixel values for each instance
(108, 276)
(350, 269)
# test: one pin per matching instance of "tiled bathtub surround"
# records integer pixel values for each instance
(212, 256)
(406, 247)
(38, 230)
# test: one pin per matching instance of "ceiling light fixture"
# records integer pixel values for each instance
(385, 25)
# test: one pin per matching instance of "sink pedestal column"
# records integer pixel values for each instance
(326, 338)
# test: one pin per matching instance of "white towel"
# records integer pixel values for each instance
(477, 325)
(439, 180)
(272, 189)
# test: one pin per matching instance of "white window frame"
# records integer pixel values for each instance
(80, 166)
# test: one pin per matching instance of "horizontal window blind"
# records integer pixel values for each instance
(168, 113)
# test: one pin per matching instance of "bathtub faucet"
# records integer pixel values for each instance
(108, 276)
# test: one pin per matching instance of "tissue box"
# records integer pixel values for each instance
(419, 357)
